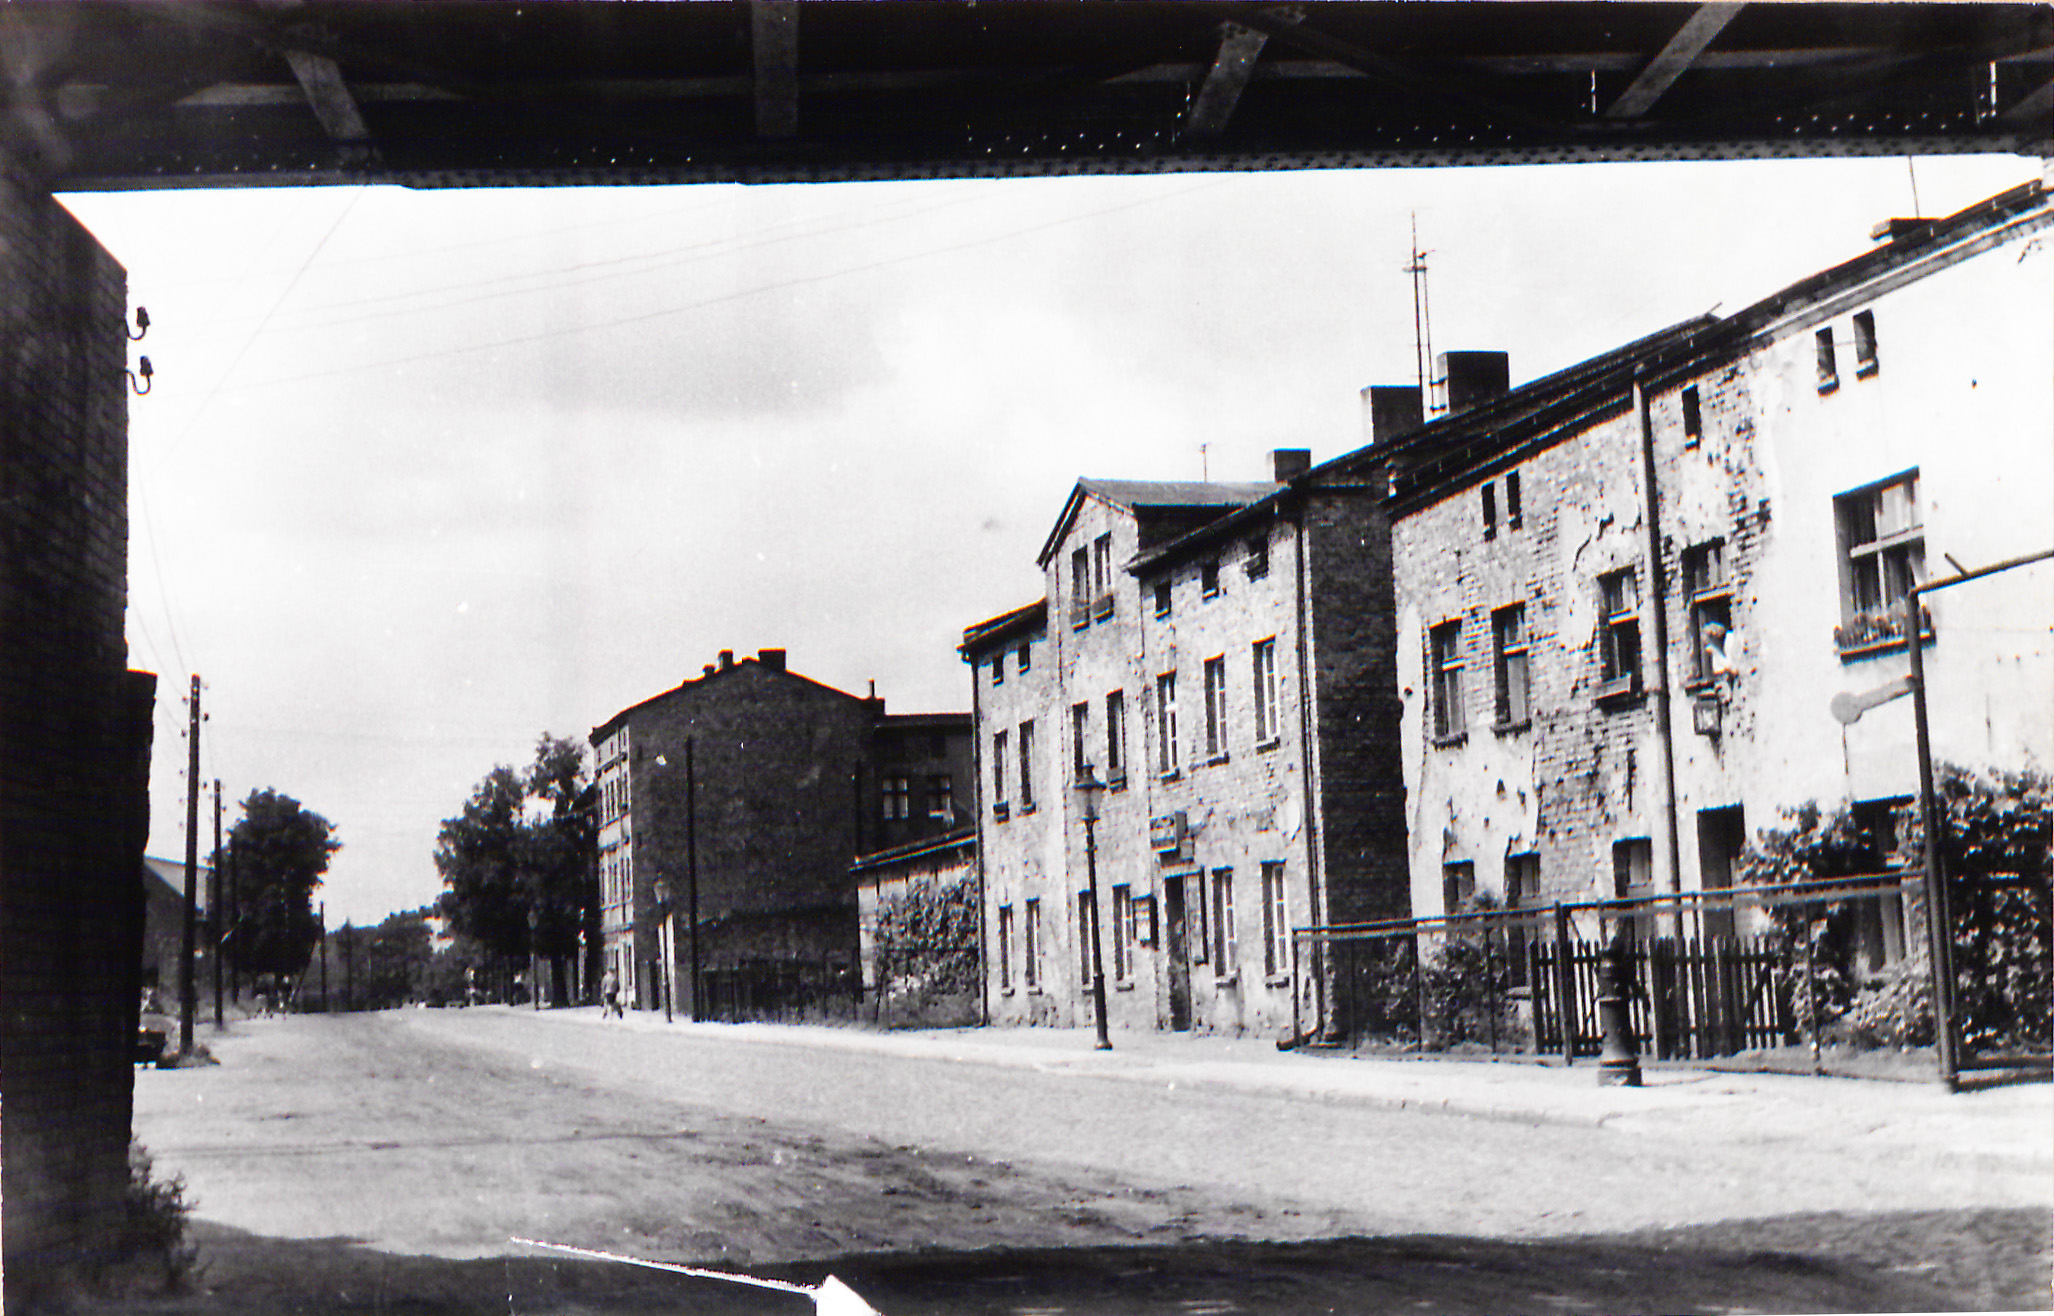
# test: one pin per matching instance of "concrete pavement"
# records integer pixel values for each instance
(1999, 1129)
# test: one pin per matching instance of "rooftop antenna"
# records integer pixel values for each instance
(1422, 319)
(1204, 464)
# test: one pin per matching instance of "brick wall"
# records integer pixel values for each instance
(74, 743)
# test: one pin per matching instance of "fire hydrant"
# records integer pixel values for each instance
(1619, 1060)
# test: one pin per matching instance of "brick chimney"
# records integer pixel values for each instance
(1463, 379)
(1290, 463)
(727, 659)
(774, 659)
(1390, 411)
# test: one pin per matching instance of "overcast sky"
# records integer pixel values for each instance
(423, 475)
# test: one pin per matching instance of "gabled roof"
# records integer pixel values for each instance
(1006, 626)
(699, 683)
(170, 875)
(1145, 497)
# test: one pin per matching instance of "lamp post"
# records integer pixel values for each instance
(1088, 786)
(669, 988)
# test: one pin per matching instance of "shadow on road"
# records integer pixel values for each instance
(1921, 1261)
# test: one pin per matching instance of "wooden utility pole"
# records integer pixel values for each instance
(188, 1002)
(214, 905)
(325, 1006)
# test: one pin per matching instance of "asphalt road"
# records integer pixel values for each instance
(383, 1162)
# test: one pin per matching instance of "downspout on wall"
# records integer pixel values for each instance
(1323, 1023)
(1658, 604)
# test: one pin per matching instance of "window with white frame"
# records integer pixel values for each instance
(1166, 754)
(1882, 555)
(1030, 949)
(1267, 727)
(1276, 922)
(1080, 587)
(1864, 344)
(1618, 633)
(1123, 933)
(1509, 666)
(1026, 766)
(1102, 576)
(1444, 662)
(1216, 708)
(898, 798)
(1080, 741)
(1710, 601)
(1829, 369)
(1225, 945)
(1116, 738)
(941, 798)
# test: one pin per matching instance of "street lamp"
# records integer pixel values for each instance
(1088, 786)
(663, 943)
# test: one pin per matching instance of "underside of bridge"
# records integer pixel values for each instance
(123, 94)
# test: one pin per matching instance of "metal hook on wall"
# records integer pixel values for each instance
(144, 386)
(142, 324)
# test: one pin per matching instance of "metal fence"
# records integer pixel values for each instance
(1713, 973)
(781, 991)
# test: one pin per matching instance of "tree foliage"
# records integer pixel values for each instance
(277, 853)
(522, 846)
(926, 951)
(384, 966)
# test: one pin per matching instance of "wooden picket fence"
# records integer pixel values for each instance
(1692, 998)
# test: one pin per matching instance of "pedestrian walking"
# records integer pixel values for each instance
(609, 995)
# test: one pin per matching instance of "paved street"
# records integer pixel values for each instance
(1022, 1171)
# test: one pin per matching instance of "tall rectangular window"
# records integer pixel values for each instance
(1258, 557)
(999, 804)
(1166, 757)
(998, 669)
(1513, 512)
(1209, 578)
(1005, 948)
(1710, 600)
(941, 797)
(1026, 766)
(1509, 661)
(1522, 891)
(1080, 588)
(1030, 958)
(1864, 344)
(1026, 656)
(1162, 597)
(1829, 370)
(1882, 555)
(1080, 739)
(1198, 921)
(1633, 878)
(1216, 708)
(1490, 510)
(1267, 727)
(1102, 576)
(1116, 736)
(1276, 922)
(1225, 946)
(898, 798)
(1458, 885)
(1444, 657)
(1693, 418)
(1123, 933)
(1618, 633)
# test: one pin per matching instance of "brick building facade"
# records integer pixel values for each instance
(1628, 594)
(759, 787)
(74, 745)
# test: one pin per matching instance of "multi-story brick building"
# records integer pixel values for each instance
(746, 792)
(1627, 595)
(1220, 659)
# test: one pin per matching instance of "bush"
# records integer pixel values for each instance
(151, 1250)
(926, 951)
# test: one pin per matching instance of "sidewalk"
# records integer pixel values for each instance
(2009, 1128)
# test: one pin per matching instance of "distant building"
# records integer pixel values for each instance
(164, 922)
(759, 787)
(1613, 681)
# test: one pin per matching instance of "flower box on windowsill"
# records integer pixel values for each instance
(1866, 634)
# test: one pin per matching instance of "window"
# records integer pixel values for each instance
(1444, 645)
(1209, 578)
(998, 669)
(898, 797)
(1026, 767)
(1490, 510)
(1882, 555)
(1864, 344)
(1102, 576)
(1693, 418)
(1509, 665)
(1224, 947)
(1123, 933)
(1145, 930)
(1162, 598)
(1633, 878)
(1512, 510)
(1276, 923)
(1197, 925)
(1458, 885)
(1116, 737)
(941, 797)
(1080, 588)
(1215, 708)
(998, 774)
(1829, 371)
(1258, 557)
(1522, 891)
(1080, 732)
(1879, 930)
(1087, 936)
(1266, 725)
(1005, 948)
(1030, 958)
(1026, 656)
(1619, 633)
(1710, 600)
(1166, 756)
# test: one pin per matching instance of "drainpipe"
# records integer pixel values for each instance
(1323, 1022)
(983, 883)
(1658, 605)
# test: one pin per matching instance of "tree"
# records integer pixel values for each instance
(523, 847)
(389, 965)
(277, 853)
